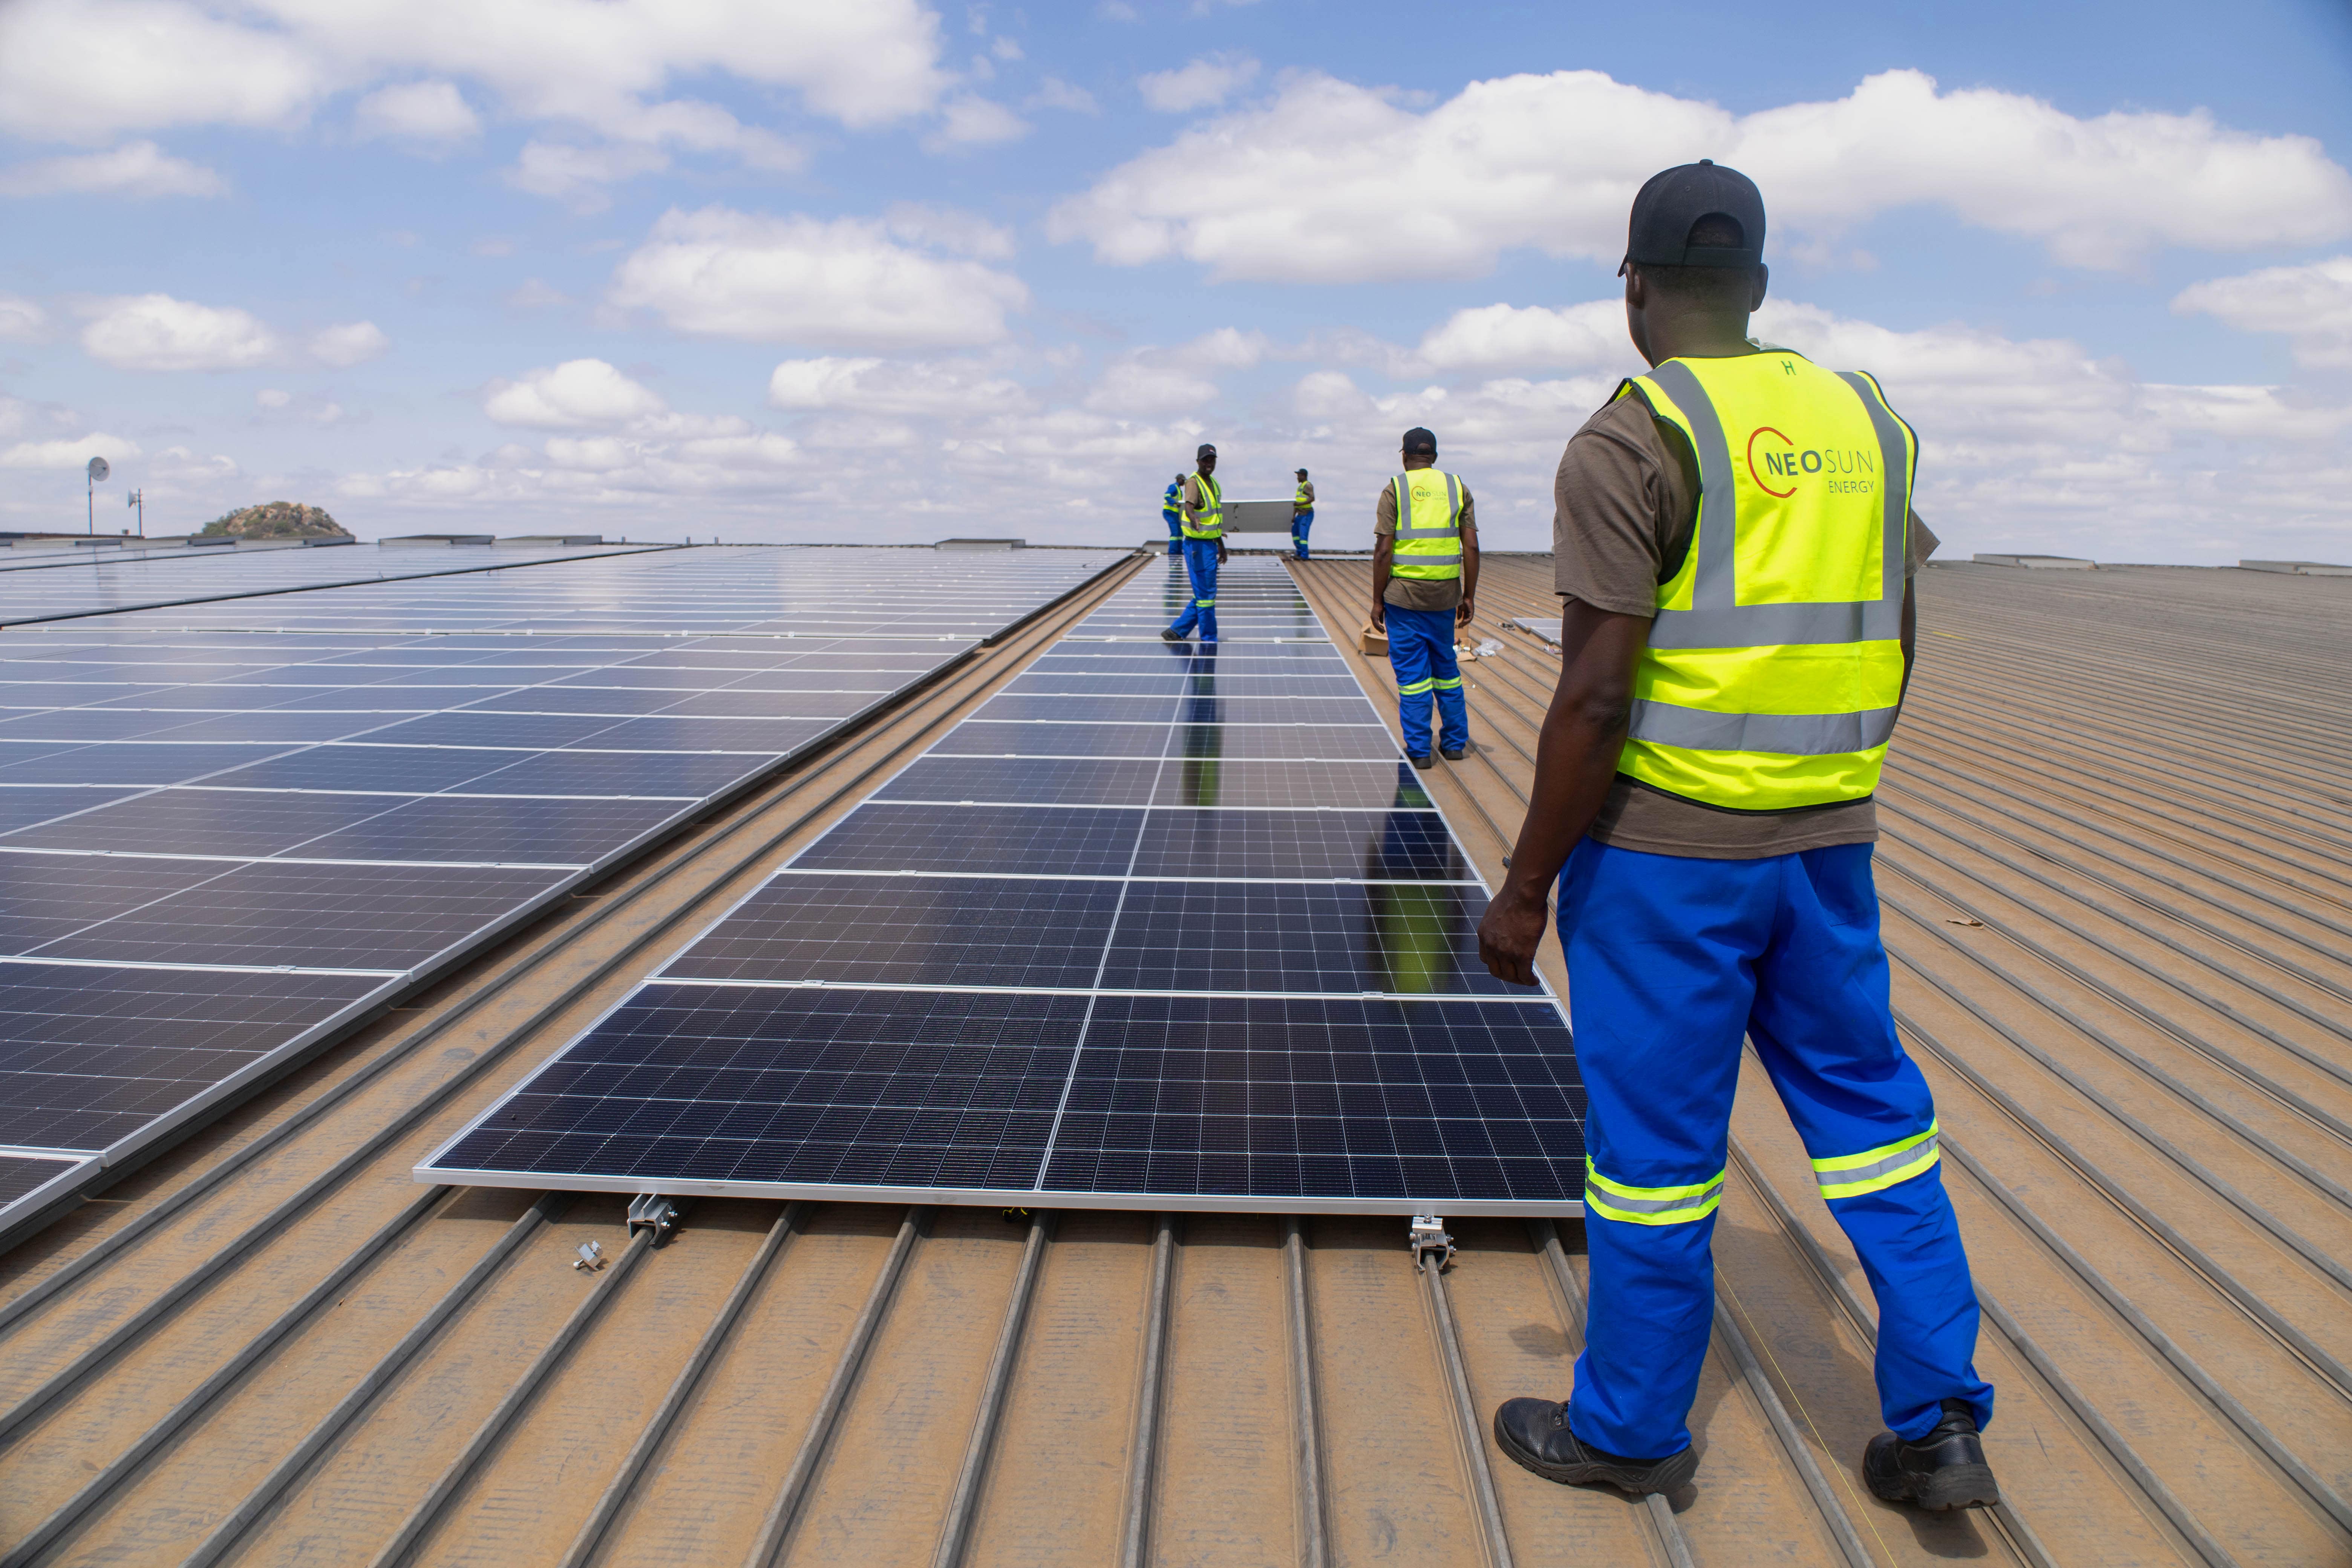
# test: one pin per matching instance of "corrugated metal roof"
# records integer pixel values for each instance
(2118, 837)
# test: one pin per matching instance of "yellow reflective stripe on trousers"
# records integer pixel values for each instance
(1416, 687)
(1452, 685)
(1876, 1170)
(1650, 1205)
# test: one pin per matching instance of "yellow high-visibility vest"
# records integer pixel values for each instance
(1209, 520)
(1775, 663)
(1428, 526)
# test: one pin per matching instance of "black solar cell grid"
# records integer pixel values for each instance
(23, 1174)
(44, 898)
(1259, 1099)
(1026, 781)
(1240, 936)
(1400, 845)
(221, 822)
(976, 738)
(758, 1085)
(29, 804)
(1003, 840)
(1276, 790)
(504, 830)
(266, 913)
(908, 931)
(87, 1056)
(122, 763)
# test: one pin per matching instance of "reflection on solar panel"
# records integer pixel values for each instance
(229, 830)
(46, 589)
(1157, 926)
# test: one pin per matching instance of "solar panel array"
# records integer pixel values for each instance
(227, 830)
(46, 589)
(1157, 926)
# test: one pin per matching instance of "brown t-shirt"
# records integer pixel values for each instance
(1625, 507)
(1421, 593)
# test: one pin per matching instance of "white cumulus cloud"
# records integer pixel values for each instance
(21, 319)
(869, 385)
(72, 453)
(1304, 189)
(578, 395)
(429, 111)
(2310, 305)
(271, 62)
(974, 122)
(1526, 337)
(353, 343)
(843, 283)
(156, 331)
(1204, 84)
(133, 169)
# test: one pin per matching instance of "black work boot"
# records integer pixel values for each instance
(1453, 755)
(1172, 636)
(1419, 761)
(1534, 1433)
(1946, 1469)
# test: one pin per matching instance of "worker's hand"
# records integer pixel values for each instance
(1507, 936)
(1380, 615)
(1221, 553)
(1462, 616)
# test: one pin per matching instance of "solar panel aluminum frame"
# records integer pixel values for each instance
(30, 1212)
(430, 1169)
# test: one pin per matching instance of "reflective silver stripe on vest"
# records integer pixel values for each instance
(1716, 618)
(1918, 1153)
(1788, 734)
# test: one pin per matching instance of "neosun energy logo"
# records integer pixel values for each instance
(1777, 465)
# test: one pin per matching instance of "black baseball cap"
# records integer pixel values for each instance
(1672, 201)
(1302, 473)
(1206, 451)
(1418, 439)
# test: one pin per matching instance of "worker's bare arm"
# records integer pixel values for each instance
(1576, 758)
(1383, 559)
(1469, 573)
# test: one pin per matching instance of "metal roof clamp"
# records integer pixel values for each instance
(651, 1211)
(1426, 1236)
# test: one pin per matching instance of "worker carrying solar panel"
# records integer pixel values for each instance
(1201, 504)
(1734, 546)
(1425, 580)
(1171, 513)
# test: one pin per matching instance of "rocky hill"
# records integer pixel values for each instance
(278, 519)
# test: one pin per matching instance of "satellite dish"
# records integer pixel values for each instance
(98, 470)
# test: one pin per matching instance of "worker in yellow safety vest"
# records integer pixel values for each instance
(1203, 508)
(1734, 546)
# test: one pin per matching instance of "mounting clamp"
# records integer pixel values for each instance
(1426, 1236)
(651, 1211)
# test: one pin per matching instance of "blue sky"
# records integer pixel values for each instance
(773, 270)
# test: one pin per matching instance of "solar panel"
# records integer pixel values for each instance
(228, 828)
(1155, 927)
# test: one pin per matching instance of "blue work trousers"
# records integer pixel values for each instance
(1671, 961)
(1175, 522)
(1201, 567)
(1420, 651)
(1300, 521)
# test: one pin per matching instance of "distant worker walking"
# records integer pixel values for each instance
(1171, 513)
(1202, 505)
(1733, 544)
(1424, 583)
(1302, 515)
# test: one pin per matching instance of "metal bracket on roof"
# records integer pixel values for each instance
(651, 1211)
(1427, 1235)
